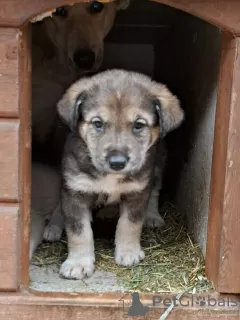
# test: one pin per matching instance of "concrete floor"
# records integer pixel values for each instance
(47, 279)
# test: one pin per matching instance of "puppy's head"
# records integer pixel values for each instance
(120, 115)
(77, 31)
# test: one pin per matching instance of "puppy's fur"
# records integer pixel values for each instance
(116, 118)
(65, 47)
(45, 195)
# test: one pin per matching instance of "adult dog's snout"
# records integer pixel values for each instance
(84, 59)
(117, 160)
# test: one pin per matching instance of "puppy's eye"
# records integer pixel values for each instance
(61, 11)
(139, 125)
(96, 7)
(98, 124)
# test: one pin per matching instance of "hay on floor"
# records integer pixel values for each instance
(173, 263)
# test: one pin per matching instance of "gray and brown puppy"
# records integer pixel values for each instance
(116, 118)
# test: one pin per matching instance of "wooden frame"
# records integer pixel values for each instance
(105, 307)
(223, 245)
(223, 228)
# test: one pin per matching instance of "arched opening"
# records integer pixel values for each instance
(178, 50)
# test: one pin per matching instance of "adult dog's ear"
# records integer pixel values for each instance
(170, 114)
(122, 4)
(69, 108)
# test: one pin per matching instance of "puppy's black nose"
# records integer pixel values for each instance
(117, 161)
(84, 59)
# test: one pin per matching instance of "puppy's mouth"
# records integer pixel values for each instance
(124, 168)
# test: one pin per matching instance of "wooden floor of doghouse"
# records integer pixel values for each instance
(173, 263)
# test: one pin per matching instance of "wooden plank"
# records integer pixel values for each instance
(223, 244)
(9, 247)
(15, 13)
(25, 100)
(229, 276)
(222, 13)
(9, 150)
(8, 72)
(15, 307)
(15, 142)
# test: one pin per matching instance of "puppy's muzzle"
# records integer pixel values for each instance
(117, 160)
(84, 59)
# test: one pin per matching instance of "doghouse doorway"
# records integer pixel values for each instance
(178, 50)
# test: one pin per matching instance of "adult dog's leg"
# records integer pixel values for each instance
(36, 231)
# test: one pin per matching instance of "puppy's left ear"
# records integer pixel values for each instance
(122, 4)
(170, 114)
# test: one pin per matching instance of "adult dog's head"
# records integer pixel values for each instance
(120, 115)
(78, 31)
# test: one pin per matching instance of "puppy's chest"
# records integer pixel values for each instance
(111, 185)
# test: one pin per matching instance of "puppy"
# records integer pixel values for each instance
(45, 196)
(66, 46)
(118, 120)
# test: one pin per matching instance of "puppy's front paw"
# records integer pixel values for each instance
(129, 256)
(153, 220)
(77, 269)
(52, 232)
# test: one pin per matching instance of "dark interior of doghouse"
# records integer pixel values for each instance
(181, 51)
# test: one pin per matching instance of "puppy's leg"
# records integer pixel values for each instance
(127, 239)
(81, 258)
(153, 219)
(36, 235)
(54, 228)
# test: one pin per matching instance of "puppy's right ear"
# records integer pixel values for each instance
(69, 109)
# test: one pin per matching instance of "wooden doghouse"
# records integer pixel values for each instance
(223, 243)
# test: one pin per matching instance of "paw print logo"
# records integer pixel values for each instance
(201, 301)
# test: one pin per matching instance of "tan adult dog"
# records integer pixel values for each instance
(65, 47)
(118, 120)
